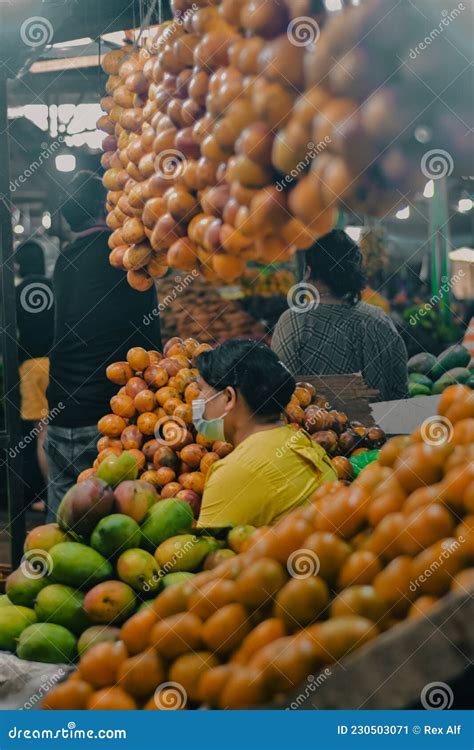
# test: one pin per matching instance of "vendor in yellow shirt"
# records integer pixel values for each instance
(274, 468)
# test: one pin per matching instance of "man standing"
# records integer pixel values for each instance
(98, 317)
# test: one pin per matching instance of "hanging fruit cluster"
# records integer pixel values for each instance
(244, 126)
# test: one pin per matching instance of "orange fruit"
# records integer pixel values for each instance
(463, 581)
(338, 636)
(188, 670)
(421, 606)
(211, 684)
(264, 633)
(464, 532)
(167, 699)
(206, 462)
(260, 582)
(111, 699)
(463, 432)
(225, 629)
(420, 465)
(71, 695)
(396, 584)
(287, 536)
(301, 601)
(359, 600)
(331, 553)
(285, 662)
(100, 663)
(360, 568)
(138, 358)
(135, 632)
(244, 688)
(461, 409)
(382, 506)
(176, 634)
(171, 601)
(144, 401)
(140, 675)
(455, 484)
(206, 600)
(392, 449)
(451, 395)
(469, 497)
(435, 567)
(424, 527)
(384, 542)
(422, 497)
(343, 514)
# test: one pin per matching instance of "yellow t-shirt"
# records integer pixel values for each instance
(264, 478)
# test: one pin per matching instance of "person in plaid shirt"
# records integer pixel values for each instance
(329, 331)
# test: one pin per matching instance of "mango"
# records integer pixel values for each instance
(5, 601)
(146, 605)
(96, 634)
(13, 620)
(140, 570)
(165, 519)
(237, 537)
(183, 552)
(78, 566)
(84, 505)
(216, 558)
(63, 606)
(44, 537)
(115, 469)
(110, 601)
(135, 498)
(23, 589)
(114, 534)
(173, 578)
(47, 642)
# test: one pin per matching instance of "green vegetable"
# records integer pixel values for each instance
(417, 389)
(417, 377)
(455, 356)
(421, 363)
(457, 375)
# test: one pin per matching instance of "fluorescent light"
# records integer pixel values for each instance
(353, 232)
(73, 42)
(19, 229)
(428, 192)
(333, 4)
(65, 162)
(465, 205)
(404, 213)
(46, 220)
(65, 63)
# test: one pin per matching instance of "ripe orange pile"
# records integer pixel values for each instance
(151, 417)
(242, 127)
(324, 581)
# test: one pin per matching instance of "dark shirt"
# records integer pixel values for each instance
(98, 318)
(344, 339)
(34, 317)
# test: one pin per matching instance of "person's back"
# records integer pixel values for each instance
(98, 318)
(339, 334)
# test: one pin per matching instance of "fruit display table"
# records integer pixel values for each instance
(393, 670)
(23, 684)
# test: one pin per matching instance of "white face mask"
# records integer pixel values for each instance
(211, 429)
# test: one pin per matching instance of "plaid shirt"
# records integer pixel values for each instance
(331, 339)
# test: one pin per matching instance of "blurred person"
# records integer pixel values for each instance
(35, 320)
(273, 467)
(339, 334)
(98, 318)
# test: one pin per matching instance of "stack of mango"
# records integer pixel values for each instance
(326, 580)
(429, 375)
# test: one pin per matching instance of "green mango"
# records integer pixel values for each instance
(165, 519)
(416, 389)
(13, 620)
(139, 569)
(96, 634)
(62, 605)
(23, 589)
(182, 552)
(457, 375)
(416, 377)
(47, 642)
(114, 534)
(454, 356)
(78, 566)
(421, 363)
(173, 578)
(115, 469)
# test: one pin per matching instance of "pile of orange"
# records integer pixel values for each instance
(327, 579)
(151, 418)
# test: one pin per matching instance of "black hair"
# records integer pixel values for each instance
(337, 261)
(30, 259)
(85, 203)
(252, 368)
